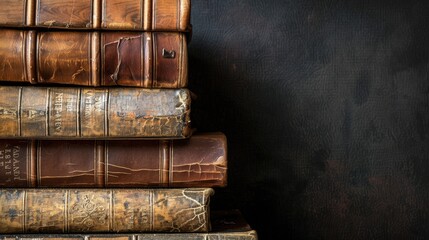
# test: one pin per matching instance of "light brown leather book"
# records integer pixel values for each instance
(200, 161)
(94, 113)
(104, 210)
(228, 224)
(94, 58)
(147, 15)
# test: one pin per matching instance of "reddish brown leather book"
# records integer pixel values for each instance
(80, 210)
(94, 113)
(147, 15)
(138, 59)
(200, 161)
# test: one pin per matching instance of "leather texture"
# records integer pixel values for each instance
(101, 113)
(226, 225)
(200, 161)
(145, 15)
(105, 210)
(94, 58)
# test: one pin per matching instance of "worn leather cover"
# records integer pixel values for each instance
(94, 58)
(104, 210)
(200, 161)
(147, 15)
(226, 225)
(94, 113)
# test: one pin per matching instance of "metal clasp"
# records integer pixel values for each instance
(168, 54)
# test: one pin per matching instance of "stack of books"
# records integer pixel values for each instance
(95, 130)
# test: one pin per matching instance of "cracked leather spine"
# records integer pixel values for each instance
(131, 15)
(94, 113)
(110, 210)
(226, 224)
(200, 161)
(94, 58)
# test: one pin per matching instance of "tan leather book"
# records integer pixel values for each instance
(200, 161)
(94, 113)
(81, 210)
(226, 225)
(94, 58)
(147, 15)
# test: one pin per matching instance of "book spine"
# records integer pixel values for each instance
(89, 113)
(243, 235)
(94, 58)
(14, 12)
(171, 14)
(29, 61)
(141, 15)
(200, 161)
(104, 210)
(30, 9)
(96, 14)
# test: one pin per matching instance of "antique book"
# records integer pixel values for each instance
(226, 225)
(56, 210)
(94, 58)
(94, 113)
(147, 15)
(200, 161)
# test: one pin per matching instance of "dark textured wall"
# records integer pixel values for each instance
(326, 108)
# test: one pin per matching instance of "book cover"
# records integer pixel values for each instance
(94, 58)
(104, 210)
(94, 113)
(227, 224)
(142, 15)
(200, 161)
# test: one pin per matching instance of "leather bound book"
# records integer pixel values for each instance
(85, 58)
(146, 15)
(94, 113)
(78, 210)
(200, 161)
(226, 225)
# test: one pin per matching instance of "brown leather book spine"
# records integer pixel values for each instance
(149, 60)
(200, 161)
(147, 15)
(12, 51)
(13, 12)
(140, 15)
(30, 11)
(64, 57)
(171, 14)
(93, 58)
(64, 14)
(104, 210)
(30, 66)
(170, 59)
(89, 113)
(96, 13)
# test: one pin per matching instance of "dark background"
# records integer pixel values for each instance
(325, 105)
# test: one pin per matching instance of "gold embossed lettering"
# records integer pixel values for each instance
(88, 107)
(16, 170)
(8, 162)
(98, 103)
(69, 104)
(5, 166)
(58, 108)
